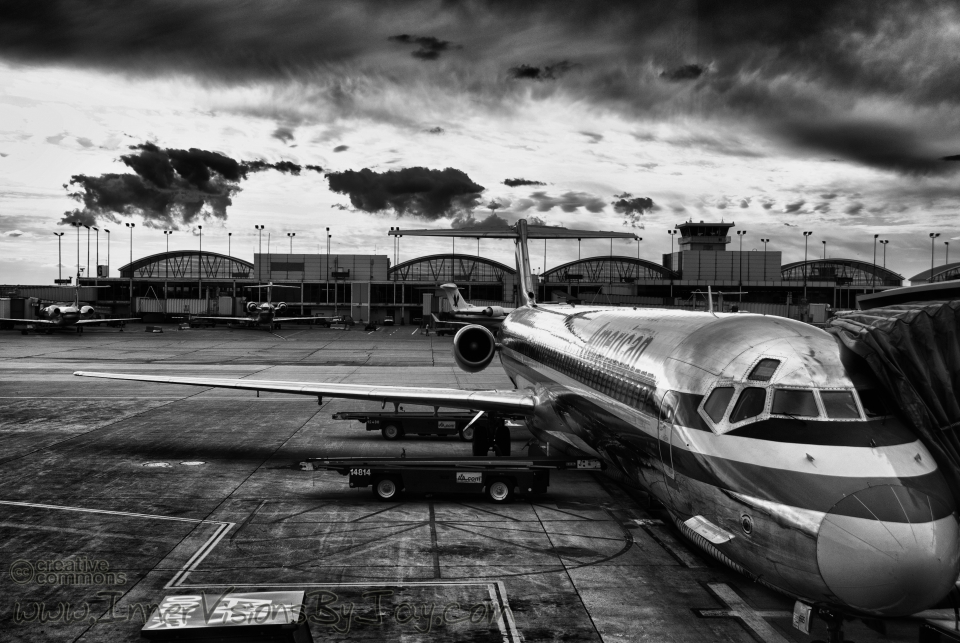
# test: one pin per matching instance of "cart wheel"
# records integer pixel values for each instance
(500, 491)
(386, 489)
(391, 432)
(467, 434)
(502, 441)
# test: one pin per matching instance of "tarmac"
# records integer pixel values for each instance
(168, 490)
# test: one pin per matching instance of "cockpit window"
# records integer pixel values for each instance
(840, 405)
(749, 404)
(764, 370)
(717, 403)
(794, 402)
(872, 401)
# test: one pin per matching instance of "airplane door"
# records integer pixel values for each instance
(668, 408)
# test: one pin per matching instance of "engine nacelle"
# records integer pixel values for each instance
(86, 310)
(494, 311)
(281, 307)
(473, 348)
(252, 306)
(53, 311)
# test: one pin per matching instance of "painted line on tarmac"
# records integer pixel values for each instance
(198, 556)
(752, 619)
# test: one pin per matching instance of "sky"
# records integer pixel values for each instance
(839, 118)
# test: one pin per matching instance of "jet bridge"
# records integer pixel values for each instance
(914, 350)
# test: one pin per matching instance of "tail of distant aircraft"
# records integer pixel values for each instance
(457, 302)
(520, 233)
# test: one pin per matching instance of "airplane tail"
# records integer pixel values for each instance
(520, 233)
(457, 302)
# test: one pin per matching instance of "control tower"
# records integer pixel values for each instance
(703, 256)
(704, 236)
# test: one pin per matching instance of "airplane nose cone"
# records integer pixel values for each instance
(889, 550)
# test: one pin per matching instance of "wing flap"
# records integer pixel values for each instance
(511, 401)
(83, 322)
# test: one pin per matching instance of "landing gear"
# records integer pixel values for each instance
(496, 437)
(391, 432)
(834, 626)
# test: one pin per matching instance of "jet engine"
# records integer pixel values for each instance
(281, 307)
(473, 348)
(252, 306)
(53, 311)
(86, 310)
(494, 311)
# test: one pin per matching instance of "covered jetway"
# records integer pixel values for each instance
(914, 349)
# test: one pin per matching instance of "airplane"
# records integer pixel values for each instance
(262, 313)
(462, 311)
(63, 315)
(766, 441)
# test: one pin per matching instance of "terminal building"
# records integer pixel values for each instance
(368, 287)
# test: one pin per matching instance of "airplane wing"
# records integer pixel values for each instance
(228, 319)
(42, 322)
(84, 322)
(516, 402)
(290, 319)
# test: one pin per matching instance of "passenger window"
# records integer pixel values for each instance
(872, 401)
(764, 370)
(717, 403)
(840, 405)
(792, 402)
(749, 404)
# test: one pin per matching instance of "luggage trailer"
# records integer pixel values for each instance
(497, 478)
(394, 425)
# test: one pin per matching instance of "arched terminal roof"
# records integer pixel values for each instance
(451, 267)
(187, 264)
(946, 272)
(861, 273)
(608, 269)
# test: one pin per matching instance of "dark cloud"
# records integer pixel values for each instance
(633, 210)
(885, 146)
(430, 47)
(515, 182)
(594, 137)
(568, 202)
(745, 203)
(829, 195)
(547, 72)
(435, 130)
(414, 191)
(493, 221)
(169, 187)
(341, 148)
(315, 168)
(282, 133)
(794, 206)
(955, 157)
(853, 208)
(683, 72)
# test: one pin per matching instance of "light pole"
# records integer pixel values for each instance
(884, 243)
(741, 234)
(672, 233)
(765, 241)
(59, 257)
(639, 239)
(824, 249)
(291, 235)
(97, 230)
(88, 250)
(946, 259)
(131, 226)
(806, 236)
(578, 249)
(108, 251)
(78, 226)
(259, 229)
(166, 235)
(229, 251)
(200, 265)
(327, 298)
(874, 279)
(933, 235)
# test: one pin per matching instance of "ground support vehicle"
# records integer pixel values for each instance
(496, 478)
(395, 425)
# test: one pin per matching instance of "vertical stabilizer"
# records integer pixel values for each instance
(527, 290)
(457, 302)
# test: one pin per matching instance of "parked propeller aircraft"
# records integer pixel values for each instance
(462, 311)
(766, 441)
(261, 313)
(63, 315)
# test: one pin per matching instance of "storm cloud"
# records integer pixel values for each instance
(633, 210)
(413, 191)
(430, 48)
(546, 72)
(515, 182)
(568, 202)
(169, 187)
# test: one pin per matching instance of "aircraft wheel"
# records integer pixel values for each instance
(500, 491)
(386, 489)
(391, 432)
(467, 434)
(501, 441)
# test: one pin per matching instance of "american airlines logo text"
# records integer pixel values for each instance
(627, 346)
(469, 478)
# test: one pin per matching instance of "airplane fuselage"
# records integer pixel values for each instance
(762, 440)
